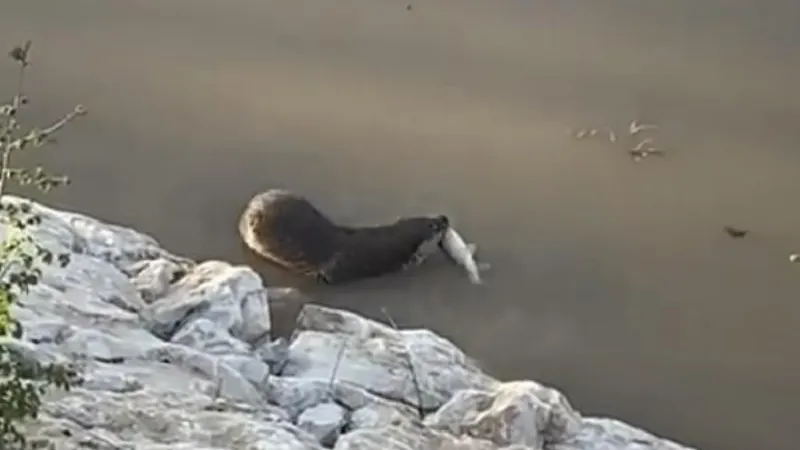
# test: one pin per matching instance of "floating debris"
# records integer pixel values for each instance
(642, 150)
(584, 132)
(642, 144)
(637, 157)
(635, 127)
(735, 233)
(640, 154)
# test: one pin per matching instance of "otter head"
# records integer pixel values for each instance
(425, 233)
(425, 227)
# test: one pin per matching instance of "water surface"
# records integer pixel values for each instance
(611, 280)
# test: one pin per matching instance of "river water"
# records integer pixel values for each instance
(611, 279)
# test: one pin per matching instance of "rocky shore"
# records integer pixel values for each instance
(174, 354)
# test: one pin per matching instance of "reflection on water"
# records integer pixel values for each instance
(610, 279)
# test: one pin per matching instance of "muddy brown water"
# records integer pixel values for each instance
(611, 280)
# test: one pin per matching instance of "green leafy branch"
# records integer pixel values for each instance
(23, 381)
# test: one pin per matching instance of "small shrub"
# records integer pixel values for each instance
(22, 381)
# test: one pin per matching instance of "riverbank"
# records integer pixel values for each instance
(172, 353)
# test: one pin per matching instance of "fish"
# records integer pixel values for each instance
(463, 254)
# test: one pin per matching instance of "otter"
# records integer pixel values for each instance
(286, 229)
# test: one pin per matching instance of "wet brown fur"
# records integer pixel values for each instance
(288, 230)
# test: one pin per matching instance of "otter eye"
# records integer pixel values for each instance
(439, 224)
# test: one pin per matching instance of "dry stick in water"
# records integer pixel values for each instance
(414, 378)
(641, 144)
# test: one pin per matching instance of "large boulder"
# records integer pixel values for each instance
(414, 438)
(518, 412)
(230, 296)
(597, 433)
(410, 366)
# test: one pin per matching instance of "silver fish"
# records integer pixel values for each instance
(463, 254)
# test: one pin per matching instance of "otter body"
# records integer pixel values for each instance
(288, 230)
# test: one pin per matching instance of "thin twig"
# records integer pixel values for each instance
(339, 356)
(23, 64)
(21, 55)
(78, 111)
(20, 78)
(414, 379)
(6, 158)
(4, 166)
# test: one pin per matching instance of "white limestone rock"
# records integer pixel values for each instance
(381, 414)
(228, 382)
(42, 330)
(216, 291)
(206, 336)
(295, 395)
(71, 303)
(519, 412)
(151, 418)
(597, 433)
(74, 233)
(89, 276)
(110, 379)
(324, 421)
(86, 343)
(274, 353)
(153, 278)
(32, 354)
(252, 369)
(414, 438)
(376, 357)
